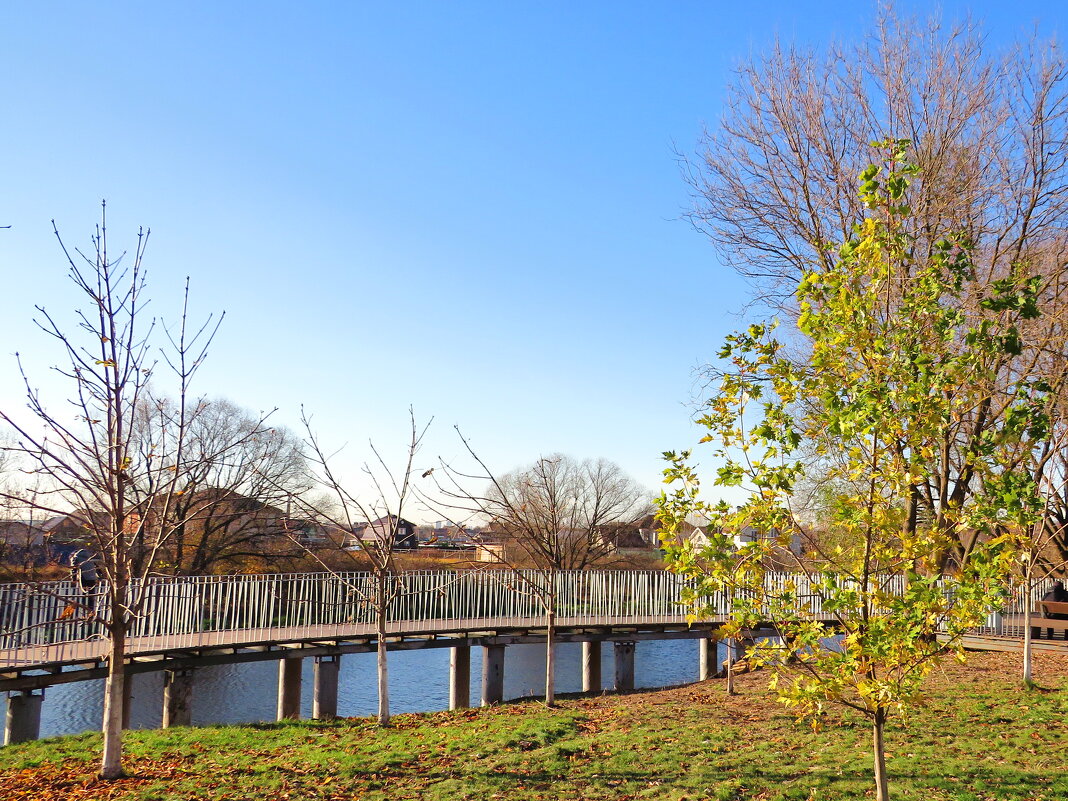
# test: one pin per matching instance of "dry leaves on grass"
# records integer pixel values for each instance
(76, 780)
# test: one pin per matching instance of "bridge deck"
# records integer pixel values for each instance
(49, 633)
(45, 656)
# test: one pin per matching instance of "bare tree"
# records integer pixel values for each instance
(775, 183)
(85, 457)
(374, 527)
(558, 514)
(239, 480)
(776, 180)
(21, 540)
(562, 514)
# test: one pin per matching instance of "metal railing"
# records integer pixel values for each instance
(201, 611)
(61, 622)
(1007, 620)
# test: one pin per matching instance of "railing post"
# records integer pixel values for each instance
(177, 698)
(324, 687)
(289, 688)
(591, 666)
(492, 674)
(23, 717)
(624, 653)
(460, 676)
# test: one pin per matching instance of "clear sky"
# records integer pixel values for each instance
(468, 208)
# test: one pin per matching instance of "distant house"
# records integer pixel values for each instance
(77, 528)
(307, 532)
(21, 534)
(377, 533)
(688, 532)
(492, 544)
(72, 528)
(745, 536)
(26, 543)
(637, 535)
(749, 534)
(251, 518)
(495, 552)
(649, 530)
(22, 543)
(447, 536)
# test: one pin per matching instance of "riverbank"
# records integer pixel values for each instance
(981, 737)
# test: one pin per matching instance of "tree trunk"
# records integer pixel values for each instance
(383, 662)
(383, 680)
(1028, 650)
(114, 690)
(730, 644)
(550, 642)
(882, 792)
(730, 667)
(550, 661)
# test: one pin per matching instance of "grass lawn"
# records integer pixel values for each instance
(980, 736)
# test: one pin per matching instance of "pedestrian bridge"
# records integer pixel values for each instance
(57, 627)
(52, 633)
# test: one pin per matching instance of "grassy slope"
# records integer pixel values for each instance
(980, 737)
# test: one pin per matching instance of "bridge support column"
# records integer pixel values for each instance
(706, 658)
(460, 677)
(591, 666)
(289, 689)
(23, 717)
(624, 653)
(492, 674)
(324, 688)
(177, 698)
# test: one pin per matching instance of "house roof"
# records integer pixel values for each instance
(388, 521)
(52, 523)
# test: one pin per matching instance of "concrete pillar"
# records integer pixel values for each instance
(324, 687)
(591, 666)
(177, 698)
(23, 717)
(289, 689)
(706, 658)
(460, 677)
(624, 652)
(492, 674)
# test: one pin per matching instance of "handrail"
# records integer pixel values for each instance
(179, 612)
(192, 612)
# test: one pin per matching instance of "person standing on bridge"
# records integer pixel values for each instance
(83, 572)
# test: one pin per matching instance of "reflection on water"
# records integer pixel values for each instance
(418, 682)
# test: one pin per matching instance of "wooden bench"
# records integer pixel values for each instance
(1048, 623)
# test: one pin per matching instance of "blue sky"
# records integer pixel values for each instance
(467, 208)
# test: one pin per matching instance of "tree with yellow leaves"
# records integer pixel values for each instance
(894, 370)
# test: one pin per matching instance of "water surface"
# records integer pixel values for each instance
(418, 682)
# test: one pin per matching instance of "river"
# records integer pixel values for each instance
(418, 682)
